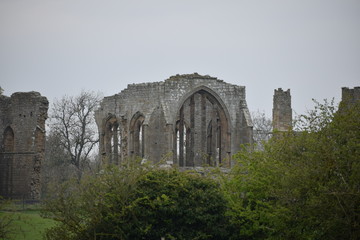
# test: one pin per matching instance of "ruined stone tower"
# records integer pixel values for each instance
(22, 139)
(196, 120)
(282, 112)
(350, 95)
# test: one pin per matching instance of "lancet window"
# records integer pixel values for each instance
(112, 140)
(138, 135)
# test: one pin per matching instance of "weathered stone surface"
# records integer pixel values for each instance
(187, 120)
(282, 112)
(350, 95)
(22, 138)
(198, 120)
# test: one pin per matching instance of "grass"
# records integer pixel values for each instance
(27, 224)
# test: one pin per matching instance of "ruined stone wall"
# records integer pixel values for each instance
(22, 139)
(179, 117)
(282, 112)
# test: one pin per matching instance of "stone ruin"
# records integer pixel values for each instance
(350, 95)
(282, 112)
(22, 138)
(187, 121)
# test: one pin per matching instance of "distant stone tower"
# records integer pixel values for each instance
(22, 144)
(350, 96)
(282, 112)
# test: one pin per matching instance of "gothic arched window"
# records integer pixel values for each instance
(205, 139)
(111, 140)
(137, 135)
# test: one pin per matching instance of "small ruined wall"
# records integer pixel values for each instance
(148, 117)
(22, 138)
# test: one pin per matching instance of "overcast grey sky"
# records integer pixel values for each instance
(60, 47)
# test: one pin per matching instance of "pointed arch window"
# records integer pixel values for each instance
(6, 162)
(111, 140)
(9, 140)
(182, 133)
(138, 135)
(205, 140)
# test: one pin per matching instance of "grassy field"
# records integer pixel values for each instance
(27, 224)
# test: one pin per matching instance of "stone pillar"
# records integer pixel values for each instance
(108, 143)
(181, 138)
(170, 139)
(191, 156)
(124, 139)
(203, 127)
(213, 142)
(115, 135)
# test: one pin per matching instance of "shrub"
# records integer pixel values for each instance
(139, 203)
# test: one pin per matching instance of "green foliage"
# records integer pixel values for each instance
(79, 207)
(139, 202)
(18, 221)
(6, 220)
(29, 225)
(304, 185)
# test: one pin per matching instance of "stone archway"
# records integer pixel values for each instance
(137, 135)
(202, 132)
(111, 139)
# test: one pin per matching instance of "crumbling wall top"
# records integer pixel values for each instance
(191, 76)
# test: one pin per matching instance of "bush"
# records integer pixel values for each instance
(139, 203)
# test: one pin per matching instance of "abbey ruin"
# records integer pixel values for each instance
(197, 120)
(186, 121)
(22, 123)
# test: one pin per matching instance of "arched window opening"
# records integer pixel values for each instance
(111, 140)
(6, 162)
(141, 141)
(206, 140)
(9, 140)
(138, 135)
(181, 143)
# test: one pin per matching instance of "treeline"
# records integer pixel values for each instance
(302, 184)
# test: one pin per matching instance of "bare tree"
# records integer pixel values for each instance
(56, 168)
(262, 128)
(72, 121)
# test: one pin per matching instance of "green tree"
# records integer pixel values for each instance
(305, 184)
(137, 202)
